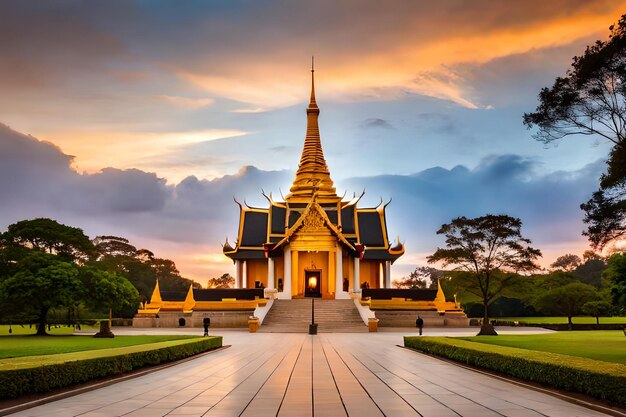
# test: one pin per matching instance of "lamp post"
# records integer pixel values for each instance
(313, 325)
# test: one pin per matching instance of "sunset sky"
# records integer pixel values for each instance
(143, 119)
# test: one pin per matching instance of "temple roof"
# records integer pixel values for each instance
(313, 176)
(263, 230)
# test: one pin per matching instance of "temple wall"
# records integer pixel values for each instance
(279, 270)
(370, 273)
(406, 318)
(228, 319)
(256, 271)
(348, 268)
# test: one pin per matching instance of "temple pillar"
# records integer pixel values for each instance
(270, 273)
(244, 274)
(357, 274)
(339, 292)
(295, 275)
(286, 293)
(387, 274)
(237, 273)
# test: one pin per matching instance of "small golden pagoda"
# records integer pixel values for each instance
(313, 236)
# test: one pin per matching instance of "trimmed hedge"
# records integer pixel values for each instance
(602, 380)
(14, 383)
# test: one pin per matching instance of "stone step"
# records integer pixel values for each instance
(294, 316)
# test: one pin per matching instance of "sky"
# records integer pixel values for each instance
(144, 119)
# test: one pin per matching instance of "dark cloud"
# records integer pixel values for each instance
(36, 179)
(377, 123)
(548, 204)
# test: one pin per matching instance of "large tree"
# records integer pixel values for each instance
(567, 262)
(105, 290)
(69, 243)
(44, 282)
(491, 250)
(567, 300)
(591, 100)
(224, 281)
(421, 277)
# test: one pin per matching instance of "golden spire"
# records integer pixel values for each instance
(313, 176)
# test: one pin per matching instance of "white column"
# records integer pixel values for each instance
(357, 274)
(237, 273)
(244, 275)
(286, 294)
(339, 292)
(387, 274)
(270, 273)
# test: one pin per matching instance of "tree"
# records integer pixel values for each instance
(597, 309)
(567, 262)
(422, 277)
(225, 281)
(591, 100)
(567, 300)
(107, 291)
(69, 243)
(615, 276)
(590, 272)
(44, 282)
(114, 246)
(491, 250)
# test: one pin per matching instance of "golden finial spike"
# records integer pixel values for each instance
(313, 103)
(312, 176)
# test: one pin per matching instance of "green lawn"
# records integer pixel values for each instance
(604, 345)
(18, 329)
(563, 320)
(20, 346)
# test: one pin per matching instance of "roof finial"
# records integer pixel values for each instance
(313, 103)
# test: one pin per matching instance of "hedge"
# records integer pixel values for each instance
(601, 380)
(17, 382)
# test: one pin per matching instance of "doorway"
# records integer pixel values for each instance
(313, 283)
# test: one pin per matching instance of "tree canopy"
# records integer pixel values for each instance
(615, 275)
(491, 251)
(567, 262)
(224, 281)
(421, 277)
(591, 100)
(69, 243)
(567, 300)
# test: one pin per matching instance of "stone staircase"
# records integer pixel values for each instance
(294, 316)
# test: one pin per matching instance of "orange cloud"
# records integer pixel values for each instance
(406, 64)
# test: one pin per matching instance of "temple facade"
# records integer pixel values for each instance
(314, 243)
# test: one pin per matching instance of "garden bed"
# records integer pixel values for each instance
(601, 380)
(37, 374)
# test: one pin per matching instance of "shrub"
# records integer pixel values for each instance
(17, 382)
(602, 380)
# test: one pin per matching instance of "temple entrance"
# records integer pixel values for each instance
(313, 283)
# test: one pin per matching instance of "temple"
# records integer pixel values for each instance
(314, 243)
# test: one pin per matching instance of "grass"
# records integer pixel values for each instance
(563, 320)
(21, 346)
(608, 346)
(23, 362)
(18, 329)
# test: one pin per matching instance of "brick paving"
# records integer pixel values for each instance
(332, 374)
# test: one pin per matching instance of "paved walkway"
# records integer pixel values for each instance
(325, 375)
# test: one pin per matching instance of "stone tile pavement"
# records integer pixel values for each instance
(332, 374)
